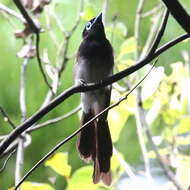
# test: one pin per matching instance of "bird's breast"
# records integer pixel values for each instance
(93, 70)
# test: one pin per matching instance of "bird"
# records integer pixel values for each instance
(94, 63)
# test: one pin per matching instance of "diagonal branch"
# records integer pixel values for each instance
(76, 89)
(11, 12)
(152, 11)
(179, 13)
(6, 161)
(160, 33)
(7, 117)
(81, 128)
(55, 120)
(30, 22)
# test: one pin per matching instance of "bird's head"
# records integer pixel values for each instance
(94, 29)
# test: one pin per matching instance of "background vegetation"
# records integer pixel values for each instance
(164, 95)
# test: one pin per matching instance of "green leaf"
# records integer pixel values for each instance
(171, 116)
(118, 116)
(183, 140)
(183, 170)
(88, 12)
(162, 152)
(34, 186)
(118, 29)
(59, 163)
(184, 126)
(123, 64)
(116, 162)
(128, 46)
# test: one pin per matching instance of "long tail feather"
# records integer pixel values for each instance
(103, 153)
(86, 138)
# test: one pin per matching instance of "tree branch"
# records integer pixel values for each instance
(55, 120)
(179, 13)
(30, 22)
(76, 89)
(152, 11)
(6, 161)
(137, 25)
(160, 33)
(138, 20)
(23, 110)
(19, 160)
(7, 118)
(11, 12)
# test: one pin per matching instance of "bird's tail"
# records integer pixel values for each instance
(86, 139)
(103, 153)
(94, 143)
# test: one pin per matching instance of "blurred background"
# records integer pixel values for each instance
(151, 139)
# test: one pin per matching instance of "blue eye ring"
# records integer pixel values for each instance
(88, 25)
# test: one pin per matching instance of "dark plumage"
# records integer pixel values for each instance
(95, 62)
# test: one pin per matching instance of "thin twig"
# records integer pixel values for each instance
(151, 35)
(40, 62)
(137, 25)
(55, 120)
(13, 146)
(141, 140)
(22, 100)
(160, 33)
(30, 22)
(40, 126)
(11, 12)
(152, 11)
(50, 28)
(6, 161)
(22, 96)
(58, 21)
(81, 88)
(67, 40)
(137, 28)
(80, 129)
(7, 118)
(81, 7)
(19, 160)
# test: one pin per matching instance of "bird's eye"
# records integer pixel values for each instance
(88, 26)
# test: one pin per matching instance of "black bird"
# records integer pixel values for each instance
(94, 63)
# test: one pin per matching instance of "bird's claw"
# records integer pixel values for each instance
(82, 82)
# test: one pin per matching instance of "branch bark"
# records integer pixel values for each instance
(179, 13)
